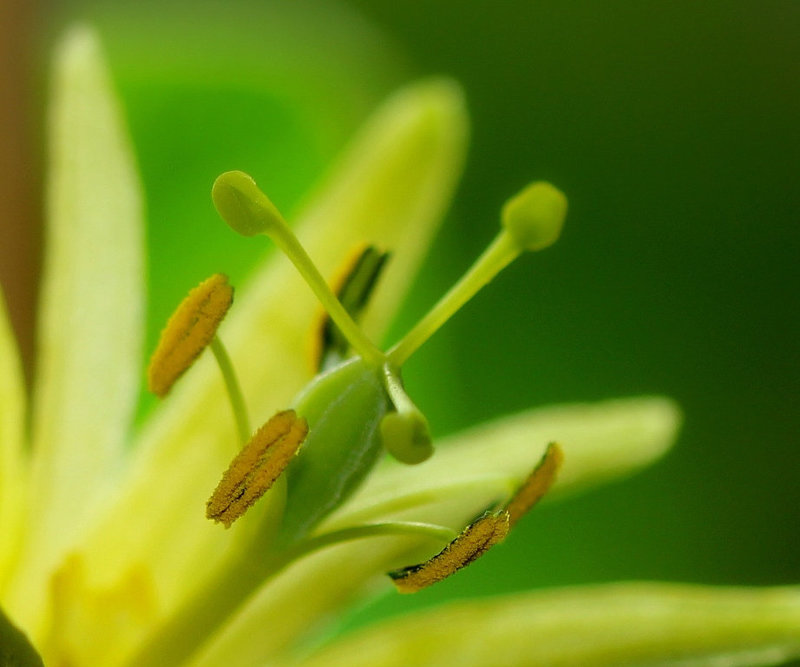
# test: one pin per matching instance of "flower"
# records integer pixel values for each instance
(106, 556)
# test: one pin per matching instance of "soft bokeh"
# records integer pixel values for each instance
(671, 127)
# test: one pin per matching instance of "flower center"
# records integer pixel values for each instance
(531, 220)
(315, 456)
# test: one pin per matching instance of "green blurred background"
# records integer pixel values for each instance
(673, 129)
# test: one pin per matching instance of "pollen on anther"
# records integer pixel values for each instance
(475, 541)
(254, 470)
(189, 330)
(536, 485)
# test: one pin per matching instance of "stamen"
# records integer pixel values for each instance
(388, 528)
(353, 286)
(253, 471)
(249, 211)
(532, 220)
(475, 541)
(189, 330)
(405, 433)
(537, 485)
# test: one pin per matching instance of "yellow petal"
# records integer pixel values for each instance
(301, 599)
(111, 616)
(92, 310)
(389, 189)
(469, 472)
(487, 463)
(641, 624)
(13, 457)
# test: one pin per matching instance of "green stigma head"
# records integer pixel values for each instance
(243, 206)
(535, 216)
(406, 436)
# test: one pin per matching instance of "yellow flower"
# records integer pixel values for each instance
(106, 556)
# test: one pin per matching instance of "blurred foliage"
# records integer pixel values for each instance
(672, 128)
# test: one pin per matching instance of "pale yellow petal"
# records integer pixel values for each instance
(394, 196)
(13, 456)
(298, 602)
(600, 442)
(615, 625)
(390, 189)
(91, 311)
(468, 472)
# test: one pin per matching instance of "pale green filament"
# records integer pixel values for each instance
(249, 211)
(494, 259)
(430, 530)
(233, 388)
(532, 220)
(404, 433)
(499, 487)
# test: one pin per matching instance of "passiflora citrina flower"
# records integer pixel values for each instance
(111, 552)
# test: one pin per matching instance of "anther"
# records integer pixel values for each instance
(484, 533)
(475, 541)
(537, 485)
(253, 471)
(190, 329)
